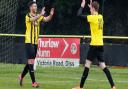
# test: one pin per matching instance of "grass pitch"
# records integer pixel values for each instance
(61, 78)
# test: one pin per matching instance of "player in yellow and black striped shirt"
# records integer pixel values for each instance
(96, 46)
(32, 21)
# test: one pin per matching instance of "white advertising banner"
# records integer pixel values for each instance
(58, 52)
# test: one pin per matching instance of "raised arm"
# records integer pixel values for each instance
(90, 6)
(48, 18)
(79, 13)
(38, 16)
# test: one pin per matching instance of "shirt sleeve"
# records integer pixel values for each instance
(41, 18)
(27, 18)
(79, 13)
(89, 18)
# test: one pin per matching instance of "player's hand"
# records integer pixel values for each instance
(83, 3)
(90, 5)
(52, 11)
(43, 11)
(90, 1)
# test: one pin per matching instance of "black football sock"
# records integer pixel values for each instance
(31, 72)
(25, 71)
(84, 77)
(108, 74)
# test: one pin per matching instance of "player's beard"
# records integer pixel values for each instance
(34, 11)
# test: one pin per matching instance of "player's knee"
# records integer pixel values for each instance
(88, 63)
(30, 61)
(102, 65)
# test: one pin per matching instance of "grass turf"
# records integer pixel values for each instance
(61, 78)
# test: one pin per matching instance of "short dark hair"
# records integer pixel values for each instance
(95, 5)
(31, 3)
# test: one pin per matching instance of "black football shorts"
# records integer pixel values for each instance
(95, 52)
(31, 50)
